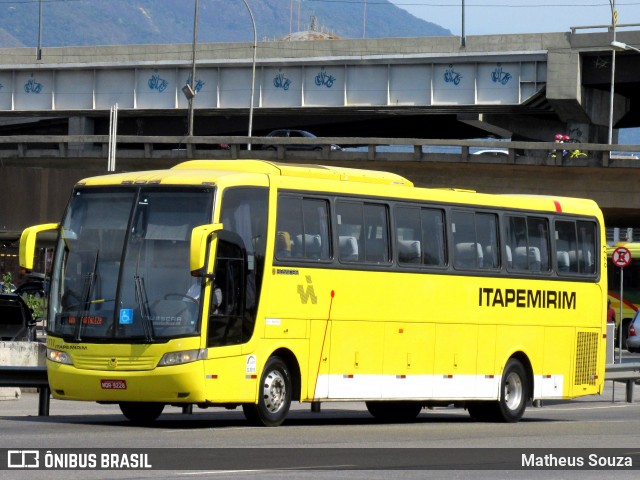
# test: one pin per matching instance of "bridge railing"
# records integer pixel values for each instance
(33, 147)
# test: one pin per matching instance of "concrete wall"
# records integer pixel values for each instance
(40, 195)
(20, 354)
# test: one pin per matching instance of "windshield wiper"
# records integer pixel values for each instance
(87, 289)
(143, 304)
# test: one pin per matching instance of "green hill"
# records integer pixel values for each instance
(122, 22)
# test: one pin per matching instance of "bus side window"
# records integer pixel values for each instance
(302, 228)
(527, 240)
(468, 251)
(377, 238)
(350, 225)
(420, 235)
(566, 241)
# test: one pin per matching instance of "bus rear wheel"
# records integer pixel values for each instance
(513, 392)
(274, 397)
(141, 412)
(394, 411)
(513, 397)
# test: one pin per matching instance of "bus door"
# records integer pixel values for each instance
(227, 292)
(230, 376)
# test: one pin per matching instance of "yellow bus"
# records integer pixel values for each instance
(253, 284)
(630, 289)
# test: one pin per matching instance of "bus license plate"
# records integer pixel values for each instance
(113, 384)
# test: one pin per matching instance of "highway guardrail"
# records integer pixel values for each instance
(35, 147)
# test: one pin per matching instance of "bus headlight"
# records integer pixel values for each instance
(58, 356)
(186, 356)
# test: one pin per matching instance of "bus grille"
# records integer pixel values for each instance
(586, 358)
(115, 363)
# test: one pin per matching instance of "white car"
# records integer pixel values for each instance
(496, 152)
(633, 337)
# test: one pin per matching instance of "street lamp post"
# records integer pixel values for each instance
(463, 37)
(253, 71)
(613, 70)
(189, 88)
(620, 46)
(39, 51)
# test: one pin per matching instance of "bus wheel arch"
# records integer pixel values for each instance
(526, 363)
(516, 389)
(294, 367)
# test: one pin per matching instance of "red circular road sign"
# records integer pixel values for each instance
(621, 257)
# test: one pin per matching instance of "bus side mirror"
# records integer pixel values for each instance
(28, 243)
(198, 251)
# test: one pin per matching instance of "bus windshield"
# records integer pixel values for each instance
(121, 270)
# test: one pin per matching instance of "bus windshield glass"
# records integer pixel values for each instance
(122, 265)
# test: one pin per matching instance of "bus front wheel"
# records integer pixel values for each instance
(141, 412)
(274, 396)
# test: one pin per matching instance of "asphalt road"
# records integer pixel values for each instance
(341, 441)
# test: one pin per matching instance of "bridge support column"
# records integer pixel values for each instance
(80, 126)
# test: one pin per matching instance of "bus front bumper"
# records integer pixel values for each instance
(172, 384)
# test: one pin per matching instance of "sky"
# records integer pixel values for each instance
(494, 17)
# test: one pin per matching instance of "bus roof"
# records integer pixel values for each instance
(207, 170)
(211, 171)
(297, 170)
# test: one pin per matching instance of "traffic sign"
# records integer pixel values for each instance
(621, 257)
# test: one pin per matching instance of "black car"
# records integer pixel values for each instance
(16, 320)
(33, 285)
(286, 133)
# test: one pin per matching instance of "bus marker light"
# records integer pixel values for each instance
(347, 376)
(448, 376)
(212, 377)
(489, 376)
(558, 206)
(401, 376)
(251, 377)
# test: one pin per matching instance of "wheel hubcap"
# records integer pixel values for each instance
(513, 391)
(274, 391)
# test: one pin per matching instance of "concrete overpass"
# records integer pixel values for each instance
(524, 87)
(515, 86)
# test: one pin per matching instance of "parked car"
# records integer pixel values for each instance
(286, 133)
(16, 320)
(33, 285)
(633, 337)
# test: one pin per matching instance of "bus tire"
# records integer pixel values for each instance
(141, 412)
(513, 392)
(395, 411)
(274, 396)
